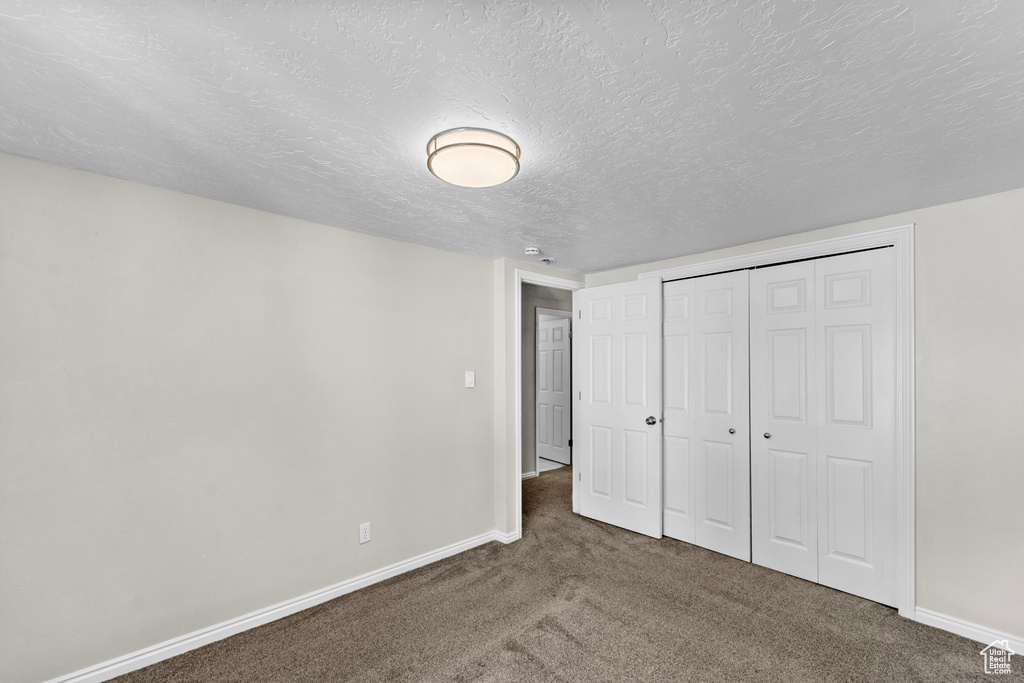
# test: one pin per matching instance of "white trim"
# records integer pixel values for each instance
(528, 475)
(906, 557)
(176, 646)
(505, 538)
(826, 247)
(902, 239)
(967, 629)
(553, 312)
(552, 281)
(546, 281)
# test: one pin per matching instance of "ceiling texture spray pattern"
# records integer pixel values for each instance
(648, 129)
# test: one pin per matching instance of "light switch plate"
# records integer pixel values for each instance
(470, 379)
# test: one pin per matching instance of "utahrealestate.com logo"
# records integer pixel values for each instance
(997, 657)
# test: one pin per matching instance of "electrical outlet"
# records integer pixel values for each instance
(364, 533)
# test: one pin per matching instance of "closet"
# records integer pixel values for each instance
(823, 421)
(749, 412)
(779, 418)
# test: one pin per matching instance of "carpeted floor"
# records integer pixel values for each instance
(577, 600)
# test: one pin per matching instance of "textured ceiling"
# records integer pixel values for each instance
(649, 129)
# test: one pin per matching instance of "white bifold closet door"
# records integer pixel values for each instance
(706, 433)
(822, 420)
(617, 371)
(783, 410)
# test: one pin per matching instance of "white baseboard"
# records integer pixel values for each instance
(527, 475)
(151, 655)
(506, 538)
(981, 634)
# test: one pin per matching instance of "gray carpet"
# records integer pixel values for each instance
(577, 600)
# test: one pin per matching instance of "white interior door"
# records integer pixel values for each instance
(707, 435)
(678, 366)
(856, 330)
(553, 405)
(617, 369)
(823, 420)
(783, 453)
(722, 415)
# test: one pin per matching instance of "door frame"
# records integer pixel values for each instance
(521, 277)
(537, 313)
(901, 238)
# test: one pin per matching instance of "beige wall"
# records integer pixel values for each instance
(534, 297)
(200, 403)
(969, 350)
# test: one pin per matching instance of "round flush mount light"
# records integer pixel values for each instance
(473, 157)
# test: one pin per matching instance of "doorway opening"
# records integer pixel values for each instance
(532, 291)
(544, 356)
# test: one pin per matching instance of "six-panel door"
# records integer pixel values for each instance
(706, 442)
(617, 368)
(856, 322)
(678, 444)
(553, 413)
(783, 450)
(822, 419)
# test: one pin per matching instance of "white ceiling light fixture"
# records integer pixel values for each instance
(473, 157)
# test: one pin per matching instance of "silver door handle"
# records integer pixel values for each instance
(651, 421)
(767, 435)
(731, 430)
